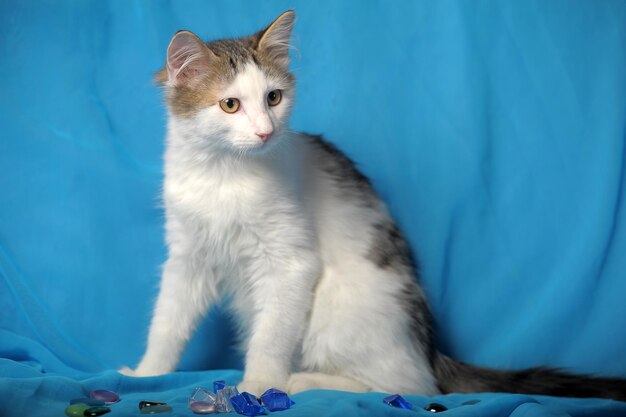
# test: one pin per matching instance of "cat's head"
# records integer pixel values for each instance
(231, 95)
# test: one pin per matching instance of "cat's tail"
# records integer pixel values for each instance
(454, 376)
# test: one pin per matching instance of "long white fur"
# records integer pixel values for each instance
(264, 223)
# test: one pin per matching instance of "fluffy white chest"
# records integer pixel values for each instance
(227, 217)
(205, 194)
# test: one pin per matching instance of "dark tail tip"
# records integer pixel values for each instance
(454, 376)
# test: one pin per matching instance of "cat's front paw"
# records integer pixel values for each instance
(140, 372)
(127, 371)
(257, 388)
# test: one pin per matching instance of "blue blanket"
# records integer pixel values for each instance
(496, 132)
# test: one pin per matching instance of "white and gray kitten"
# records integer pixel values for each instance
(321, 279)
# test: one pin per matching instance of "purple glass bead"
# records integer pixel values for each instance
(247, 404)
(202, 401)
(109, 397)
(276, 400)
(397, 401)
(203, 407)
(218, 385)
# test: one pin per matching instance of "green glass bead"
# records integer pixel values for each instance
(96, 411)
(76, 410)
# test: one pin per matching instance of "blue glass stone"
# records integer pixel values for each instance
(471, 402)
(397, 401)
(247, 404)
(218, 385)
(276, 400)
(435, 408)
(89, 401)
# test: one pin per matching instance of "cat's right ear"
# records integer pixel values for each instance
(188, 60)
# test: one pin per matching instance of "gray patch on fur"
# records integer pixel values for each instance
(413, 301)
(343, 172)
(390, 250)
(239, 51)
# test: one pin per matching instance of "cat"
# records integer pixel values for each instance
(322, 280)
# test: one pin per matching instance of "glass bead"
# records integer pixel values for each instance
(218, 385)
(96, 411)
(144, 404)
(156, 409)
(276, 400)
(435, 408)
(203, 407)
(202, 401)
(397, 401)
(109, 397)
(76, 410)
(222, 401)
(247, 404)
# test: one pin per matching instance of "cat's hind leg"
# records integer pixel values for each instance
(303, 381)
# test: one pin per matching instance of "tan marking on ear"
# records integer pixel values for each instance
(188, 59)
(193, 75)
(274, 40)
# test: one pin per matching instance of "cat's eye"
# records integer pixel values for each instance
(229, 105)
(274, 97)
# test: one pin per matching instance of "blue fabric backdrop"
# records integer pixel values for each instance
(494, 130)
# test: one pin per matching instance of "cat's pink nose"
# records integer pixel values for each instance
(265, 136)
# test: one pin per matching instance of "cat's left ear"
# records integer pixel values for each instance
(188, 60)
(274, 40)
